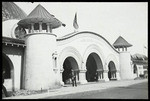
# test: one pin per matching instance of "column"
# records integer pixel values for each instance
(48, 28)
(82, 77)
(106, 75)
(40, 26)
(32, 27)
(126, 48)
(118, 75)
(77, 76)
(122, 48)
(29, 29)
(61, 77)
(113, 75)
(100, 75)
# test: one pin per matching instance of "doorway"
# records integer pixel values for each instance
(94, 68)
(70, 64)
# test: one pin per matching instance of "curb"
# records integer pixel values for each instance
(66, 90)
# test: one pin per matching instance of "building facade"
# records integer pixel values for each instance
(34, 58)
(140, 65)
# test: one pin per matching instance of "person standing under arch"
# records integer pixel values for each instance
(73, 78)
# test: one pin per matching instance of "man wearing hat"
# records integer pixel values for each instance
(73, 78)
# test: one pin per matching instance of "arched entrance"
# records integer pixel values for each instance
(69, 63)
(94, 68)
(112, 71)
(9, 72)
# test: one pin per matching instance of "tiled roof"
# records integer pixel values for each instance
(139, 57)
(121, 42)
(40, 14)
(11, 11)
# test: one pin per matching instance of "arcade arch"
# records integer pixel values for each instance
(94, 68)
(69, 52)
(112, 71)
(8, 68)
(70, 64)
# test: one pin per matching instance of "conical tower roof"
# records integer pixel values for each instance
(40, 14)
(11, 11)
(121, 42)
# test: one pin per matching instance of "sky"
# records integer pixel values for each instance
(109, 19)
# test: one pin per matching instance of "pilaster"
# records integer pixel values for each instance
(82, 77)
(118, 75)
(106, 75)
(61, 78)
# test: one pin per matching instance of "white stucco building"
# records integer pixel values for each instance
(34, 58)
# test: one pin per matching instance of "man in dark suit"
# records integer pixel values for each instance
(73, 78)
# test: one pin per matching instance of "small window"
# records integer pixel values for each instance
(20, 32)
(134, 69)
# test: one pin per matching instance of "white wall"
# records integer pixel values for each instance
(125, 65)
(15, 54)
(16, 60)
(87, 42)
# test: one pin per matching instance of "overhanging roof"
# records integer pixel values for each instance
(121, 42)
(40, 14)
(11, 11)
(139, 57)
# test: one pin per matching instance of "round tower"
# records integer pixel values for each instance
(40, 53)
(124, 58)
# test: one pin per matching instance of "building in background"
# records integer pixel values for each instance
(140, 65)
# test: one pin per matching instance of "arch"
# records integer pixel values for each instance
(8, 67)
(69, 64)
(111, 71)
(86, 32)
(94, 67)
(92, 49)
(69, 52)
(112, 58)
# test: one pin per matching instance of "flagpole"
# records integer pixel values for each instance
(75, 30)
(75, 24)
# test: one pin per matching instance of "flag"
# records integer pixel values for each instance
(75, 24)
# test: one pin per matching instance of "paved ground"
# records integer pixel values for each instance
(81, 88)
(136, 91)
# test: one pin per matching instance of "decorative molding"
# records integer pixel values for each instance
(86, 32)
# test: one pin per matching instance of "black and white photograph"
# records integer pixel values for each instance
(75, 50)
